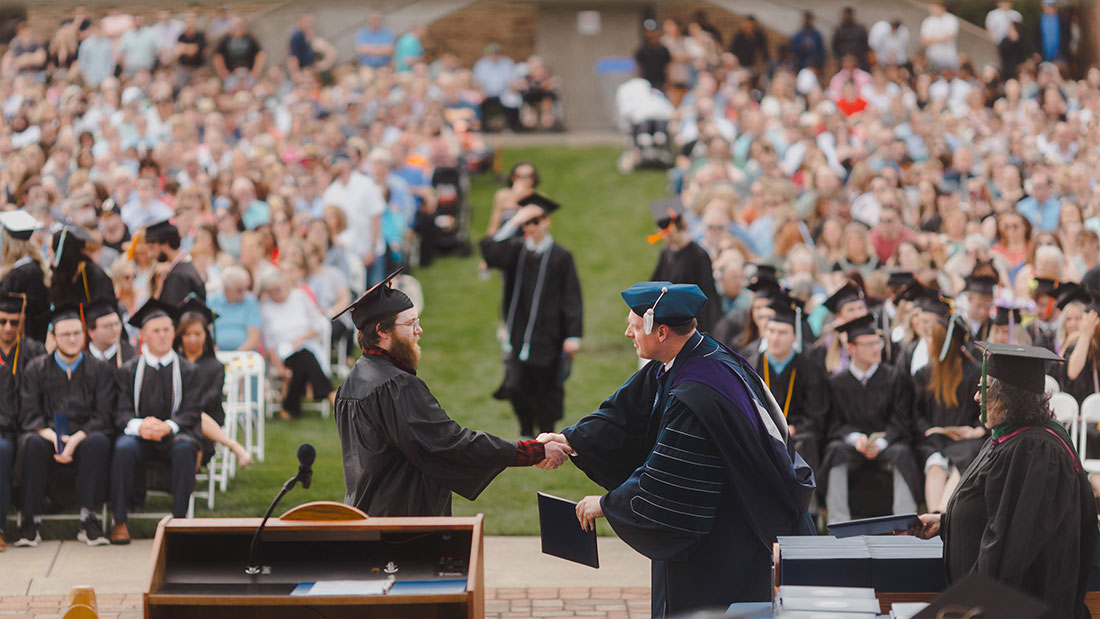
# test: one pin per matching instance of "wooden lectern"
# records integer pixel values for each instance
(320, 559)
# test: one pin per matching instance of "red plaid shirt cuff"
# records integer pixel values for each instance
(529, 453)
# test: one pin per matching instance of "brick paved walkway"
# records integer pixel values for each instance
(598, 602)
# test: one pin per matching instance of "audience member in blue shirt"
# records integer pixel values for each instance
(374, 43)
(237, 326)
(409, 49)
(1041, 207)
(1050, 31)
(494, 72)
(807, 45)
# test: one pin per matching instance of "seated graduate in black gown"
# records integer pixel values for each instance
(682, 260)
(979, 291)
(742, 331)
(16, 352)
(701, 472)
(182, 279)
(831, 350)
(870, 422)
(22, 268)
(945, 415)
(76, 277)
(159, 404)
(74, 389)
(1043, 326)
(402, 454)
(194, 341)
(794, 379)
(1024, 513)
(107, 339)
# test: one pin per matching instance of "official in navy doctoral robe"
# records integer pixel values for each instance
(701, 473)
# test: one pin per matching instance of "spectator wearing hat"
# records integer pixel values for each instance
(66, 404)
(181, 279)
(543, 312)
(682, 260)
(710, 407)
(159, 403)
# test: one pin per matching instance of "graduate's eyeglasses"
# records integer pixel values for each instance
(9, 321)
(413, 324)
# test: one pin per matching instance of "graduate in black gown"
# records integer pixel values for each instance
(543, 315)
(1042, 328)
(870, 422)
(158, 417)
(106, 337)
(945, 415)
(182, 279)
(196, 344)
(76, 277)
(21, 269)
(78, 390)
(683, 261)
(831, 351)
(701, 472)
(402, 454)
(794, 379)
(1024, 513)
(742, 330)
(979, 291)
(16, 352)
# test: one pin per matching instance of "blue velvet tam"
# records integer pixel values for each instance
(672, 304)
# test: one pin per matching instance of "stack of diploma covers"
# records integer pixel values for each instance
(793, 601)
(891, 564)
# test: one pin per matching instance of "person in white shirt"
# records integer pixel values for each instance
(363, 204)
(939, 34)
(889, 40)
(997, 20)
(292, 328)
(144, 208)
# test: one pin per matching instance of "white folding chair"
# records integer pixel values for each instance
(246, 399)
(1064, 407)
(1051, 385)
(1090, 414)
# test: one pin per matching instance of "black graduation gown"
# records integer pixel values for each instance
(809, 402)
(696, 482)
(730, 327)
(88, 397)
(211, 374)
(73, 291)
(180, 282)
(928, 413)
(156, 396)
(10, 384)
(884, 404)
(559, 314)
(1024, 515)
(28, 279)
(402, 454)
(691, 265)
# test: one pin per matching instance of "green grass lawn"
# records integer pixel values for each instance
(604, 222)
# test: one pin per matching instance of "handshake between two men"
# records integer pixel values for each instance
(558, 451)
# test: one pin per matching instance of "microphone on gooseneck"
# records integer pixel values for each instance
(306, 455)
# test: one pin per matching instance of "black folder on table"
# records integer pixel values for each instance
(873, 526)
(561, 532)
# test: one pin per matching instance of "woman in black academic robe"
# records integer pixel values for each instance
(1023, 513)
(194, 343)
(25, 276)
(945, 416)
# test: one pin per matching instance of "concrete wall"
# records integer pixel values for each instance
(587, 95)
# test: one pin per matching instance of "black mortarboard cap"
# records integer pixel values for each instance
(1046, 286)
(935, 303)
(546, 204)
(11, 303)
(864, 325)
(980, 596)
(785, 308)
(66, 311)
(765, 282)
(1022, 366)
(377, 304)
(847, 293)
(68, 243)
(194, 305)
(162, 232)
(19, 224)
(99, 308)
(980, 284)
(1070, 292)
(153, 308)
(912, 291)
(665, 211)
(899, 278)
(1001, 318)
